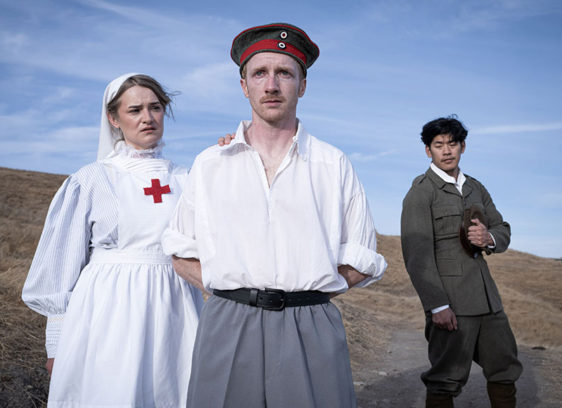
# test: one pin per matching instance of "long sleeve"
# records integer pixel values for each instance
(358, 239)
(417, 238)
(61, 254)
(179, 238)
(500, 230)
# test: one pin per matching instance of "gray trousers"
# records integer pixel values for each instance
(246, 356)
(487, 340)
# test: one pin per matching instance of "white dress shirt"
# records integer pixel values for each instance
(291, 235)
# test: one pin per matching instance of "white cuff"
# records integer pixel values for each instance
(493, 239)
(439, 309)
(52, 333)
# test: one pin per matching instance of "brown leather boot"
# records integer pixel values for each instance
(438, 401)
(501, 395)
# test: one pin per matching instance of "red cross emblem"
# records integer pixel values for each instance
(157, 190)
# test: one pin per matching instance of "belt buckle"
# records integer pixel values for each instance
(274, 299)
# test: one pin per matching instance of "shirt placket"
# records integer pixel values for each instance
(268, 190)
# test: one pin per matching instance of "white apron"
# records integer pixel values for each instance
(129, 328)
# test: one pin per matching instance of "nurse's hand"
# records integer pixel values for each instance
(49, 365)
(190, 270)
(227, 139)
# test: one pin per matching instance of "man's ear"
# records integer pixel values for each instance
(244, 87)
(302, 87)
(463, 146)
(114, 122)
(428, 152)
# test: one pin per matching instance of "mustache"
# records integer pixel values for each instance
(272, 99)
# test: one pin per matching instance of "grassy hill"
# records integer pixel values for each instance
(531, 289)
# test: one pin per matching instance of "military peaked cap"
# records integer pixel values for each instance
(277, 37)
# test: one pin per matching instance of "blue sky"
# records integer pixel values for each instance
(385, 68)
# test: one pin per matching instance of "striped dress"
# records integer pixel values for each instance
(121, 324)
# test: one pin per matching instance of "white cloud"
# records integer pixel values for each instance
(62, 140)
(478, 14)
(105, 40)
(10, 40)
(139, 15)
(551, 200)
(413, 19)
(18, 122)
(42, 116)
(210, 86)
(519, 128)
(364, 158)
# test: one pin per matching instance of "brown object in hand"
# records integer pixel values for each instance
(474, 212)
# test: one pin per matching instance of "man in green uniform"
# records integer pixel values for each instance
(448, 220)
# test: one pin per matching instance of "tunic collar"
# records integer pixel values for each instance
(458, 183)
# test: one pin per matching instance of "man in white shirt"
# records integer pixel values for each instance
(273, 225)
(448, 219)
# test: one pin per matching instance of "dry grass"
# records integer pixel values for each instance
(531, 289)
(24, 203)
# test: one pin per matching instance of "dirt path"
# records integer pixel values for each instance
(396, 381)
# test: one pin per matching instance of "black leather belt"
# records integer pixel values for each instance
(274, 299)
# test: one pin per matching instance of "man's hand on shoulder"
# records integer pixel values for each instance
(445, 319)
(226, 139)
(478, 234)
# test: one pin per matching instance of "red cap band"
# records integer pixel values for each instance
(273, 45)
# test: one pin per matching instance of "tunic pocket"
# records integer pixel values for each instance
(446, 220)
(449, 267)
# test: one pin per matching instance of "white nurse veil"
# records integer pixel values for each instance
(107, 137)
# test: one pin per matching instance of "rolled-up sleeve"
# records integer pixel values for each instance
(358, 247)
(61, 254)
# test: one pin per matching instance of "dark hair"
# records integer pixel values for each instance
(444, 126)
(164, 97)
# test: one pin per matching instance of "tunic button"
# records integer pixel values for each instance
(281, 45)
